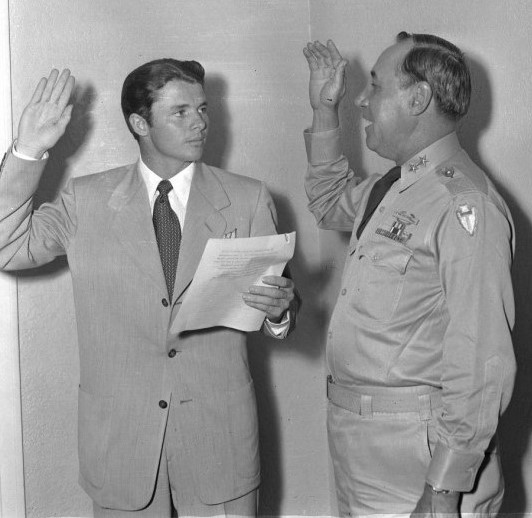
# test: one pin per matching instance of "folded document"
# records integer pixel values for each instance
(227, 269)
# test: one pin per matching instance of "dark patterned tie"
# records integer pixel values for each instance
(168, 233)
(380, 188)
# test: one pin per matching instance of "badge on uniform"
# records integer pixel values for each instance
(467, 216)
(398, 229)
(230, 235)
(447, 171)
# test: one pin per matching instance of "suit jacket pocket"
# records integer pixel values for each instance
(94, 423)
(243, 430)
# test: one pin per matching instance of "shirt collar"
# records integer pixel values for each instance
(181, 181)
(428, 159)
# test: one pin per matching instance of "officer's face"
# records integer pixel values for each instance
(179, 124)
(385, 105)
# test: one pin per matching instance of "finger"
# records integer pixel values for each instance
(270, 309)
(59, 86)
(63, 99)
(334, 52)
(323, 52)
(263, 291)
(314, 48)
(311, 60)
(339, 75)
(275, 280)
(39, 89)
(50, 82)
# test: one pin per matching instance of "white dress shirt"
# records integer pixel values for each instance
(178, 196)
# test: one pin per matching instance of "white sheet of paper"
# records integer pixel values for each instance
(227, 269)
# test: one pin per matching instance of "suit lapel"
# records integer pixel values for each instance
(203, 221)
(133, 227)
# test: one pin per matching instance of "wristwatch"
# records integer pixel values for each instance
(441, 491)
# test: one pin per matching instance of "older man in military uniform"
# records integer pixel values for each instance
(419, 347)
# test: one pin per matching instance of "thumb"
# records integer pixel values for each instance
(339, 75)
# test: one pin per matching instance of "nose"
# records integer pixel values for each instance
(200, 121)
(362, 98)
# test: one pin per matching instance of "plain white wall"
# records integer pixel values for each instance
(257, 86)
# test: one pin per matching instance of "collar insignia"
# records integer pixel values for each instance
(416, 164)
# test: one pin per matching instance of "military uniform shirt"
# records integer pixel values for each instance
(426, 295)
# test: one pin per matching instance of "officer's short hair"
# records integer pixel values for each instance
(442, 65)
(141, 85)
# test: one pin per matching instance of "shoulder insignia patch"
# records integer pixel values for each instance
(467, 216)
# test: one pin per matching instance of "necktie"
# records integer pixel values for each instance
(380, 188)
(168, 233)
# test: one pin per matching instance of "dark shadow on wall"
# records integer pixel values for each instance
(516, 425)
(55, 173)
(219, 143)
(353, 133)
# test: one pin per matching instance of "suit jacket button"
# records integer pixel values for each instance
(165, 303)
(172, 353)
(163, 404)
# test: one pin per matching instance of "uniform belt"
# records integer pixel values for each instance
(359, 402)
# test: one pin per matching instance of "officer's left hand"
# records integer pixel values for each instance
(432, 505)
(274, 300)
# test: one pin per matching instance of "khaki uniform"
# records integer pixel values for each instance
(425, 312)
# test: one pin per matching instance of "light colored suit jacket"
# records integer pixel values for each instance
(128, 379)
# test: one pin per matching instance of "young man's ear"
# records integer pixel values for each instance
(139, 124)
(421, 97)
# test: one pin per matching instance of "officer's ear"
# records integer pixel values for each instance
(138, 124)
(421, 96)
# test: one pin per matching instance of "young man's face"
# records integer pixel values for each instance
(179, 123)
(385, 104)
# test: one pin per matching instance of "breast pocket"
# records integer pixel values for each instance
(380, 276)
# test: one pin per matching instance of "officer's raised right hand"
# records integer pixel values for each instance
(46, 116)
(327, 75)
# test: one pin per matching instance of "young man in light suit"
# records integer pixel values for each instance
(164, 418)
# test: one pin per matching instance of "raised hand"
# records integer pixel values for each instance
(46, 116)
(327, 74)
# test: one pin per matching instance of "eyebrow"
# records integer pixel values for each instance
(186, 105)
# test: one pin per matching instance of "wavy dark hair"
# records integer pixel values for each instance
(443, 66)
(140, 86)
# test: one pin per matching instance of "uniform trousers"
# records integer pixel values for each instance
(381, 459)
(174, 492)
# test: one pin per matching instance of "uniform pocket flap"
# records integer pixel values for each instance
(384, 255)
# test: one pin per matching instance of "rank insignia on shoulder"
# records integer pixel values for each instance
(447, 171)
(467, 216)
